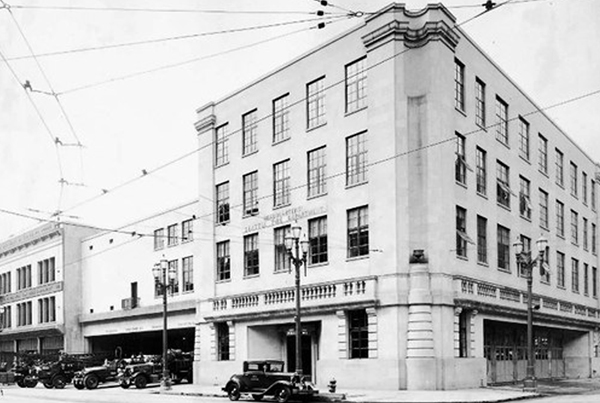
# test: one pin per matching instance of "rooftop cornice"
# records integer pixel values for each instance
(29, 238)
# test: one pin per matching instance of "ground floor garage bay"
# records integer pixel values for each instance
(149, 342)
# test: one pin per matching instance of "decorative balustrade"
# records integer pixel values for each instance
(472, 289)
(330, 293)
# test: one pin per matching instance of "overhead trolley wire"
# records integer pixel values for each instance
(193, 60)
(171, 38)
(170, 10)
(298, 102)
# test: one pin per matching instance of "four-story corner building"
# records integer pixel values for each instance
(412, 162)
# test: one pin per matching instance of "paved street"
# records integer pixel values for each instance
(103, 395)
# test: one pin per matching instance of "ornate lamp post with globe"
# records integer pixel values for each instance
(525, 263)
(297, 250)
(164, 280)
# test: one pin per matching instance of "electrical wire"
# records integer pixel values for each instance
(300, 101)
(170, 38)
(165, 10)
(185, 62)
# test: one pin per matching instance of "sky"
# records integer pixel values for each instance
(132, 108)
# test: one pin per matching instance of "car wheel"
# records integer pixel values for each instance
(258, 398)
(59, 382)
(91, 381)
(234, 393)
(283, 394)
(48, 385)
(125, 385)
(140, 382)
(21, 383)
(30, 383)
(79, 385)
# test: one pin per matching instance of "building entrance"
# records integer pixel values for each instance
(306, 354)
(505, 348)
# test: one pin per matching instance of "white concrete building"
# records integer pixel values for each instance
(412, 162)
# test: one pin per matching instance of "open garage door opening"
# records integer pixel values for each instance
(143, 342)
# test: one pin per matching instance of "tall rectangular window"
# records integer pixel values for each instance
(543, 154)
(356, 85)
(501, 120)
(358, 329)
(585, 233)
(481, 171)
(221, 145)
(315, 103)
(6, 318)
(317, 238)
(461, 232)
(317, 172)
(593, 195)
(187, 230)
(159, 238)
(574, 227)
(575, 275)
(594, 246)
(523, 138)
(24, 277)
(559, 162)
(281, 183)
(503, 191)
(172, 235)
(503, 236)
(187, 273)
(222, 331)
(560, 270)
(24, 313)
(281, 124)
(46, 271)
(573, 175)
(482, 255)
(543, 209)
(223, 261)
(594, 282)
(356, 159)
(524, 198)
(174, 268)
(46, 310)
(5, 283)
(282, 260)
(223, 203)
(586, 279)
(251, 255)
(560, 219)
(249, 132)
(459, 85)
(460, 166)
(358, 231)
(479, 102)
(250, 191)
(584, 192)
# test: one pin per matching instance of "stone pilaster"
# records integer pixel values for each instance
(231, 326)
(457, 312)
(197, 345)
(372, 325)
(213, 341)
(472, 333)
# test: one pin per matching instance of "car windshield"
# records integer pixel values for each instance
(276, 367)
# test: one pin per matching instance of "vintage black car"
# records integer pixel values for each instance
(267, 378)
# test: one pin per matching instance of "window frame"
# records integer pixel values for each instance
(280, 119)
(359, 232)
(459, 85)
(356, 85)
(251, 255)
(357, 154)
(480, 118)
(315, 103)
(221, 145)
(249, 132)
(281, 183)
(316, 167)
(318, 247)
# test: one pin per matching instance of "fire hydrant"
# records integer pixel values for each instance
(332, 385)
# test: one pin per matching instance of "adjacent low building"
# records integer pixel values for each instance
(121, 306)
(412, 162)
(40, 290)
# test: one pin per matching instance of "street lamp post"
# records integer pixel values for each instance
(526, 262)
(159, 271)
(293, 246)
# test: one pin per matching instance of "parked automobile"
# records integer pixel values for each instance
(91, 377)
(139, 374)
(23, 375)
(267, 378)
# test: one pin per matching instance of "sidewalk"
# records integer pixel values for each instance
(382, 396)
